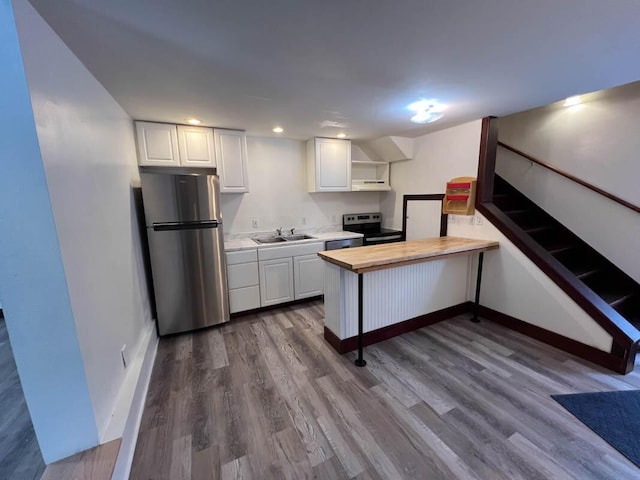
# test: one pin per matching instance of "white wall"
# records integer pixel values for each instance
(88, 151)
(35, 298)
(279, 197)
(512, 284)
(438, 157)
(598, 142)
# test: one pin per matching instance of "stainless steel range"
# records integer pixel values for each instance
(370, 225)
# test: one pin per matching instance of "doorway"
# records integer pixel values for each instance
(422, 216)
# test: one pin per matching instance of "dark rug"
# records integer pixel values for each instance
(615, 416)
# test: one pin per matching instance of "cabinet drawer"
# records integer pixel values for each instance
(242, 299)
(242, 275)
(243, 256)
(272, 253)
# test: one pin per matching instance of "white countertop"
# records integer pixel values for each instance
(236, 244)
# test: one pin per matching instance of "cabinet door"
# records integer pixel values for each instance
(308, 274)
(231, 159)
(243, 299)
(333, 165)
(157, 144)
(276, 281)
(196, 146)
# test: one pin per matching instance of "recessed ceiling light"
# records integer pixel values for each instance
(193, 121)
(571, 101)
(342, 135)
(278, 129)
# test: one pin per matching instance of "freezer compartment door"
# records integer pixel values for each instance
(189, 278)
(180, 198)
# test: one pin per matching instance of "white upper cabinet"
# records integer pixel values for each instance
(231, 156)
(328, 165)
(167, 145)
(196, 146)
(157, 144)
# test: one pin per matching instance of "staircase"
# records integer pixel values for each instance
(615, 288)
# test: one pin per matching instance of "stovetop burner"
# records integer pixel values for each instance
(370, 224)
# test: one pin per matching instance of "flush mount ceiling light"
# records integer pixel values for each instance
(426, 117)
(342, 135)
(427, 111)
(193, 121)
(572, 101)
(278, 129)
(333, 124)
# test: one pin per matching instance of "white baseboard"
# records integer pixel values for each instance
(132, 424)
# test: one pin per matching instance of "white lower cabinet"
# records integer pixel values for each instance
(243, 299)
(276, 281)
(290, 272)
(243, 280)
(269, 276)
(308, 272)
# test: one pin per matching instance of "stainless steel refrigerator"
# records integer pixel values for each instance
(186, 245)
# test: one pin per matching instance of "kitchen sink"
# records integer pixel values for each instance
(268, 239)
(282, 238)
(293, 238)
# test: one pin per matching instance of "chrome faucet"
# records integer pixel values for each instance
(292, 231)
(279, 231)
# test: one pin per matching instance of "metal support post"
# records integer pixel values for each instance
(360, 362)
(476, 304)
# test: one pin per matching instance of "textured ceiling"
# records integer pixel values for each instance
(303, 64)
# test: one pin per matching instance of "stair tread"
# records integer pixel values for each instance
(519, 210)
(620, 300)
(586, 272)
(555, 249)
(540, 228)
(611, 296)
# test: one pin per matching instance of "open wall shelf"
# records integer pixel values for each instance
(369, 176)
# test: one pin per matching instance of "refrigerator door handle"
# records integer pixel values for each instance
(198, 225)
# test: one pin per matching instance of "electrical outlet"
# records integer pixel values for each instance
(254, 223)
(451, 218)
(303, 221)
(123, 355)
(470, 220)
(478, 219)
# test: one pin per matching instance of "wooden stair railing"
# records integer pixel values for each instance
(552, 247)
(573, 178)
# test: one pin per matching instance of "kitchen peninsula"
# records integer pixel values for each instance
(396, 288)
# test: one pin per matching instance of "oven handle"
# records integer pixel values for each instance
(389, 237)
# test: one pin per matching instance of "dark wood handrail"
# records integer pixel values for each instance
(573, 178)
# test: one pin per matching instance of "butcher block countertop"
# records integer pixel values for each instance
(391, 255)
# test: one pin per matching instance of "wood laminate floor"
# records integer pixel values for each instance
(265, 397)
(20, 456)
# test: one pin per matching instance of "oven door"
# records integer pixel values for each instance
(380, 239)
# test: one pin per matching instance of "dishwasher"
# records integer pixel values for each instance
(346, 243)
